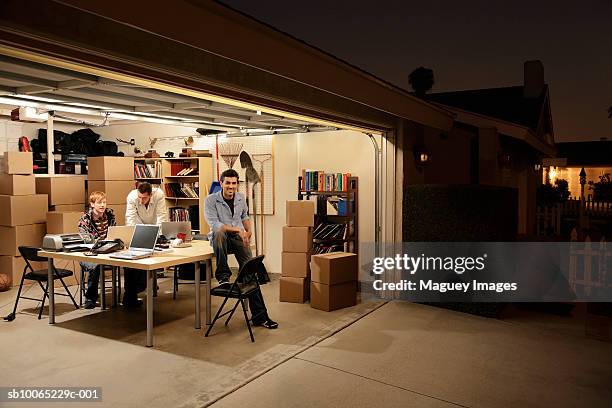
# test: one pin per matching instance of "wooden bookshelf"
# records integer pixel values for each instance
(204, 178)
(351, 197)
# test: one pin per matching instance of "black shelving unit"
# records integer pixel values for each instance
(351, 195)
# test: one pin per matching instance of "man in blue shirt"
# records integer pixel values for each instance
(227, 214)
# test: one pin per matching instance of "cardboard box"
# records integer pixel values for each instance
(17, 184)
(297, 239)
(334, 268)
(300, 213)
(295, 264)
(110, 168)
(119, 211)
(116, 191)
(17, 163)
(13, 266)
(62, 189)
(23, 210)
(333, 297)
(23, 235)
(294, 290)
(68, 207)
(63, 222)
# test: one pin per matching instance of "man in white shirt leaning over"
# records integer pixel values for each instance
(145, 205)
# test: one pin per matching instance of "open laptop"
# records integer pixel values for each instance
(142, 243)
(170, 229)
(123, 232)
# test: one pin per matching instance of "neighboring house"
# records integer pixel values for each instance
(499, 138)
(594, 157)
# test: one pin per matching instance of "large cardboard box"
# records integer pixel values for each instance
(17, 184)
(295, 264)
(23, 210)
(297, 239)
(17, 163)
(333, 297)
(68, 207)
(63, 222)
(110, 168)
(116, 191)
(294, 290)
(22, 235)
(62, 189)
(300, 213)
(334, 267)
(119, 211)
(13, 266)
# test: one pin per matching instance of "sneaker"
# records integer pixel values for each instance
(132, 303)
(224, 284)
(268, 324)
(89, 304)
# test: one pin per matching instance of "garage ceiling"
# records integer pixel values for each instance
(97, 101)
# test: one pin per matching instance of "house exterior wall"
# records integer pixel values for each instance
(450, 156)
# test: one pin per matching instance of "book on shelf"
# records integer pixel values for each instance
(330, 231)
(176, 214)
(182, 168)
(319, 180)
(182, 190)
(147, 170)
(322, 248)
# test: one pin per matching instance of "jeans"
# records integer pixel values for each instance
(93, 280)
(135, 281)
(225, 243)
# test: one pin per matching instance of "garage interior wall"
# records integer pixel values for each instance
(338, 151)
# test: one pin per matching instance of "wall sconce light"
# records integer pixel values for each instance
(537, 167)
(421, 155)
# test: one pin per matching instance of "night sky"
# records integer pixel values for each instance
(469, 45)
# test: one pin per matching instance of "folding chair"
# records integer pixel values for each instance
(29, 254)
(245, 284)
(117, 284)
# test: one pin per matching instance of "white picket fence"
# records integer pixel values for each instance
(590, 265)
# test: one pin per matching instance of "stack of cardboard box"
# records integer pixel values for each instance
(66, 201)
(297, 246)
(334, 281)
(23, 215)
(113, 175)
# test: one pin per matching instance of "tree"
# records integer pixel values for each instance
(421, 80)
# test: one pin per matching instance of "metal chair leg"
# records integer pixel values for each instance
(216, 317)
(232, 313)
(174, 284)
(246, 318)
(42, 306)
(69, 294)
(11, 316)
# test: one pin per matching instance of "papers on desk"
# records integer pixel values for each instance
(77, 247)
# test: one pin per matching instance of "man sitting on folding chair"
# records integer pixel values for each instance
(227, 214)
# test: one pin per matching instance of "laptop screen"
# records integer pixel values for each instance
(144, 237)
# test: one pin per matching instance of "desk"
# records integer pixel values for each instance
(199, 251)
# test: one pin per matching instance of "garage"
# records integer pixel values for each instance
(164, 85)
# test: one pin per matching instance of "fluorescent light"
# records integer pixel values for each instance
(117, 115)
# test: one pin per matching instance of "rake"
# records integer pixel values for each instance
(229, 153)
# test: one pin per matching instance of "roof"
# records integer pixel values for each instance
(506, 103)
(596, 153)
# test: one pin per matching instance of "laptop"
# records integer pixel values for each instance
(123, 232)
(170, 229)
(142, 244)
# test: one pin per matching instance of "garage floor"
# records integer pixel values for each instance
(394, 354)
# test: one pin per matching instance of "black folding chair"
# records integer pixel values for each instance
(245, 284)
(29, 254)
